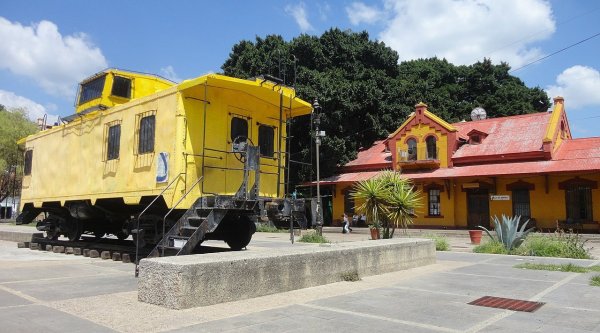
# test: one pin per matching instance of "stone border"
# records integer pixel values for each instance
(205, 279)
(20, 236)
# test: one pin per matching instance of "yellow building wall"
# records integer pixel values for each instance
(420, 132)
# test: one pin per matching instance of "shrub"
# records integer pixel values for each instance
(492, 246)
(595, 281)
(313, 238)
(553, 267)
(441, 242)
(263, 227)
(351, 276)
(559, 245)
(507, 231)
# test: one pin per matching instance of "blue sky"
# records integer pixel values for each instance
(47, 47)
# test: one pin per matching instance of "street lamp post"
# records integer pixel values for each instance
(318, 136)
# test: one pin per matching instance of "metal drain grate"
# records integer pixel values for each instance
(507, 303)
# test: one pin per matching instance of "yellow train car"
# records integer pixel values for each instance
(200, 159)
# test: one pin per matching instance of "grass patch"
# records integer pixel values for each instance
(441, 242)
(492, 246)
(313, 238)
(350, 276)
(560, 245)
(557, 268)
(595, 281)
(268, 228)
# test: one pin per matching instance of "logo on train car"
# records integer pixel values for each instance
(162, 167)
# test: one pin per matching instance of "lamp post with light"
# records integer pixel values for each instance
(318, 136)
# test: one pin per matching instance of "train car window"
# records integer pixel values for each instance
(146, 139)
(28, 160)
(239, 127)
(266, 136)
(91, 90)
(121, 87)
(114, 140)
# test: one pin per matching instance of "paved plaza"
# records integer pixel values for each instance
(49, 292)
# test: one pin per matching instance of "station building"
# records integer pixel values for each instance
(527, 165)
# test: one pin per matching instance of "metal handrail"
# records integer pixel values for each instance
(175, 206)
(137, 227)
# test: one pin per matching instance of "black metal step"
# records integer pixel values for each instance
(187, 231)
(195, 221)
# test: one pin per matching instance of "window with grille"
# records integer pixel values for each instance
(431, 148)
(434, 202)
(521, 204)
(113, 142)
(266, 135)
(91, 90)
(146, 134)
(121, 87)
(579, 203)
(28, 161)
(412, 149)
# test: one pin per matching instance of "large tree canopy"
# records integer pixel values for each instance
(14, 125)
(365, 94)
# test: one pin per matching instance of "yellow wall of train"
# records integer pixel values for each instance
(69, 162)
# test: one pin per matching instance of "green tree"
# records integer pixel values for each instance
(365, 94)
(388, 200)
(14, 125)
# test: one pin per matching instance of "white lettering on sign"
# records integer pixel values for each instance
(499, 197)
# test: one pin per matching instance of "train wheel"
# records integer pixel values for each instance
(52, 233)
(74, 230)
(241, 234)
(121, 235)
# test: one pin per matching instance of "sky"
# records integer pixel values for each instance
(47, 47)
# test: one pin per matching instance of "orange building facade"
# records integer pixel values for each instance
(468, 172)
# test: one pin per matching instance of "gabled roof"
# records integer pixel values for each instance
(376, 157)
(505, 136)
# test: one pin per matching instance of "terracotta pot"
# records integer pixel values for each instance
(475, 236)
(374, 233)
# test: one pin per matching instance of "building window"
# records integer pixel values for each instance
(412, 149)
(434, 202)
(348, 202)
(113, 142)
(146, 135)
(266, 135)
(121, 87)
(28, 161)
(520, 204)
(431, 148)
(91, 90)
(579, 203)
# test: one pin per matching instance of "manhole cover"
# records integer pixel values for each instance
(507, 303)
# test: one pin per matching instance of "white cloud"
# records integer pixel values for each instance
(579, 85)
(359, 13)
(34, 110)
(324, 10)
(465, 31)
(298, 12)
(55, 62)
(169, 73)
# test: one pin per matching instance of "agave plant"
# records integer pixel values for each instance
(508, 232)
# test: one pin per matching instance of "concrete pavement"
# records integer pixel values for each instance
(57, 293)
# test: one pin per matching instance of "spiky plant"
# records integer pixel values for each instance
(508, 232)
(388, 200)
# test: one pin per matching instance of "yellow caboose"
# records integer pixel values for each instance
(200, 159)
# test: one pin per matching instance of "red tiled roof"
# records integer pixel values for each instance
(505, 135)
(576, 155)
(374, 157)
(350, 177)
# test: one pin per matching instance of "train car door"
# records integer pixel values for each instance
(239, 134)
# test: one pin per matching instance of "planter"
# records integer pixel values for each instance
(475, 236)
(374, 233)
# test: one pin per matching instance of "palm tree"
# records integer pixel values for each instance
(387, 200)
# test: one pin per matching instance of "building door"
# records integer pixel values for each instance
(478, 208)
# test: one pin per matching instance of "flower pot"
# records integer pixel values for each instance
(475, 236)
(374, 233)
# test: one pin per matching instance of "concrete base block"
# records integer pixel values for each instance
(77, 251)
(86, 252)
(20, 236)
(198, 280)
(116, 256)
(49, 248)
(22, 245)
(58, 249)
(105, 255)
(68, 250)
(125, 258)
(34, 246)
(94, 254)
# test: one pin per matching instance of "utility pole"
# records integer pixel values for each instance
(318, 136)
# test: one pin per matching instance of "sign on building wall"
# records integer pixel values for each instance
(499, 197)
